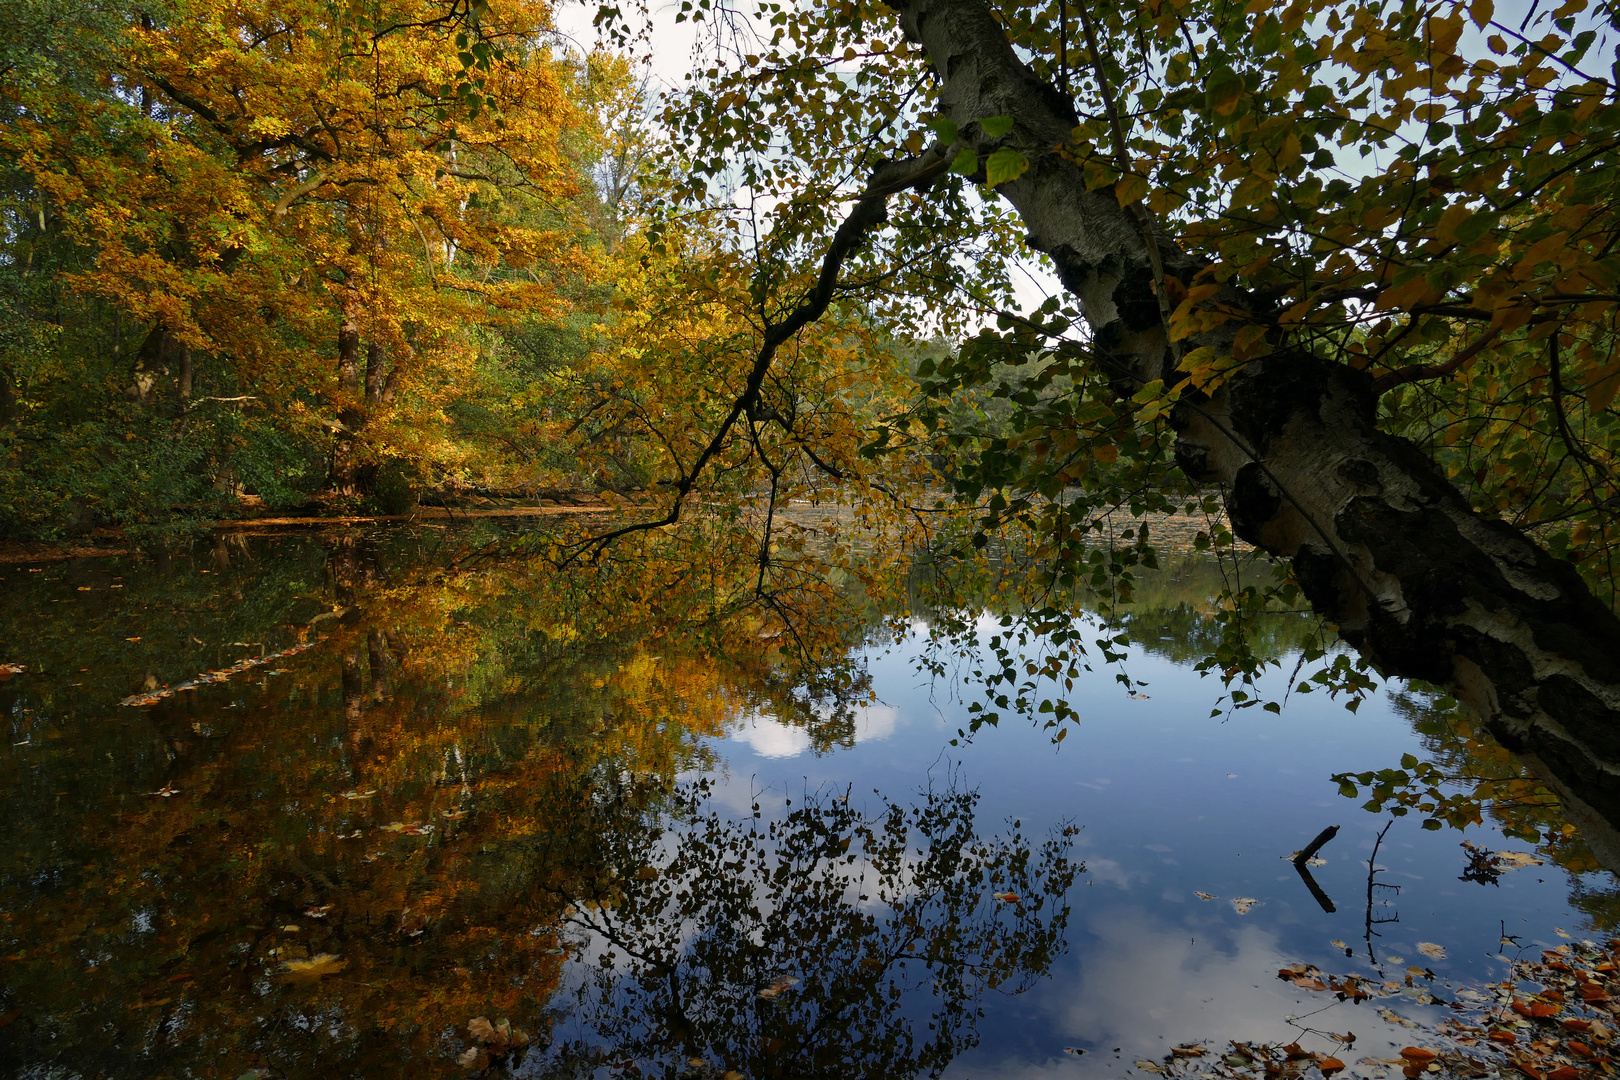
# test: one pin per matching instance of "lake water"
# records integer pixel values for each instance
(421, 822)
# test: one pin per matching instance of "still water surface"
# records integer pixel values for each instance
(431, 825)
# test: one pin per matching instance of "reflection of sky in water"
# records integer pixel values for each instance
(1171, 802)
(770, 738)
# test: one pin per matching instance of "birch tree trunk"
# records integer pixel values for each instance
(1380, 541)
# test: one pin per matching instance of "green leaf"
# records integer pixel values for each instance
(996, 126)
(1005, 164)
(945, 128)
(1223, 90)
(966, 163)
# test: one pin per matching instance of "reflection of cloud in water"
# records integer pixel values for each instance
(875, 722)
(772, 738)
(1109, 872)
(1146, 984)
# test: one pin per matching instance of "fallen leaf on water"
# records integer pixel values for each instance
(499, 1037)
(413, 828)
(318, 912)
(1329, 1066)
(1396, 1018)
(1515, 859)
(1140, 697)
(313, 968)
(8, 670)
(359, 794)
(1337, 944)
(1204, 895)
(779, 987)
(1243, 904)
(1150, 1066)
(1418, 1054)
(1075, 1050)
(468, 1058)
(132, 639)
(1561, 932)
(1431, 950)
(84, 588)
(1006, 897)
(1316, 862)
(454, 815)
(167, 790)
(1189, 1050)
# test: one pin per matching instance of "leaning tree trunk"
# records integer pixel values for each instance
(1380, 541)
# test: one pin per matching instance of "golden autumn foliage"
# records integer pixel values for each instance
(318, 199)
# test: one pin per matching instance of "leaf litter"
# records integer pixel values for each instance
(208, 678)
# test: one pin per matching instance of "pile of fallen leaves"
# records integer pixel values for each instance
(1247, 1059)
(1555, 1017)
(1552, 1017)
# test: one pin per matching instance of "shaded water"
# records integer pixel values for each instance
(431, 824)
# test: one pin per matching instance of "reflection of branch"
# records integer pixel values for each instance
(1372, 871)
(1322, 898)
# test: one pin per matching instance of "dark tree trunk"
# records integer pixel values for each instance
(148, 364)
(376, 374)
(348, 471)
(186, 372)
(1380, 541)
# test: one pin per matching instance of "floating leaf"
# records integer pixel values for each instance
(1431, 950)
(1204, 895)
(1244, 904)
(315, 967)
(778, 987)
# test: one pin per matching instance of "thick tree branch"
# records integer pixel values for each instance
(869, 212)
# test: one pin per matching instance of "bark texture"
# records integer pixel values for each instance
(1380, 540)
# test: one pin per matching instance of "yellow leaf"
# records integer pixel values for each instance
(313, 968)
(1481, 11)
(1250, 343)
(1404, 295)
(1131, 189)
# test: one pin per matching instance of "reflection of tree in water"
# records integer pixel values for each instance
(828, 943)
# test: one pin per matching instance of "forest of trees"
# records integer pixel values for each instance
(1345, 269)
